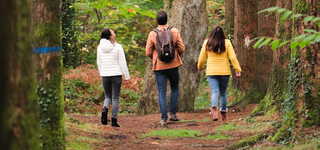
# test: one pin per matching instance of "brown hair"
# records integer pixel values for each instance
(216, 41)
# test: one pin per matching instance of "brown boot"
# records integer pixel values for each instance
(214, 113)
(223, 115)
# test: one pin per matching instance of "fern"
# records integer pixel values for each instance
(309, 37)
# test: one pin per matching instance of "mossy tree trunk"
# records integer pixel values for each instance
(18, 116)
(47, 31)
(277, 86)
(302, 101)
(229, 17)
(190, 17)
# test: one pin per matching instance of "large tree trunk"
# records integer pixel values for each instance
(264, 55)
(301, 105)
(246, 28)
(271, 103)
(18, 105)
(47, 31)
(190, 17)
(229, 17)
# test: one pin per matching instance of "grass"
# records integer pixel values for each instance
(78, 144)
(217, 136)
(227, 127)
(173, 133)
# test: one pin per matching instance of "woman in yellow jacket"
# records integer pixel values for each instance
(217, 53)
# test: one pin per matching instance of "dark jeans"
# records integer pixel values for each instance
(162, 76)
(219, 85)
(112, 86)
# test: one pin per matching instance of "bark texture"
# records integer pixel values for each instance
(190, 17)
(277, 86)
(18, 115)
(246, 28)
(302, 101)
(47, 31)
(229, 17)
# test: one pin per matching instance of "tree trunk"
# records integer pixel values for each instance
(229, 17)
(246, 28)
(47, 45)
(301, 105)
(18, 105)
(277, 89)
(264, 55)
(190, 17)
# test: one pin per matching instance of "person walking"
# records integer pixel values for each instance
(217, 52)
(165, 47)
(112, 67)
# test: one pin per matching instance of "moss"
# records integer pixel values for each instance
(275, 95)
(51, 113)
(226, 127)
(173, 133)
(217, 136)
(247, 141)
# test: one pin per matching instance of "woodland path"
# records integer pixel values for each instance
(87, 130)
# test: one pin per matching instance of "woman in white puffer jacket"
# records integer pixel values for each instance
(112, 67)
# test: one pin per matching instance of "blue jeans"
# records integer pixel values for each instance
(219, 84)
(162, 76)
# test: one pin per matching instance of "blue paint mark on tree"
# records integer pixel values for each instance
(43, 50)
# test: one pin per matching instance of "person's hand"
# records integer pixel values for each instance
(238, 74)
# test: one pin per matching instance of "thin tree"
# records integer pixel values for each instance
(47, 46)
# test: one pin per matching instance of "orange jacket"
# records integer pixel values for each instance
(153, 54)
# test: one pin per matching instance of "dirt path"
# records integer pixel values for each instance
(88, 131)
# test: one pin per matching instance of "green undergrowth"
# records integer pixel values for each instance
(203, 99)
(247, 142)
(77, 145)
(183, 133)
(216, 136)
(173, 133)
(76, 141)
(227, 127)
(311, 145)
(82, 143)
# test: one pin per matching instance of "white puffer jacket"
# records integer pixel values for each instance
(111, 60)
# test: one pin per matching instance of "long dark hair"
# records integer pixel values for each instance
(216, 41)
(105, 34)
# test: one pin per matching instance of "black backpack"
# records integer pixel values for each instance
(164, 45)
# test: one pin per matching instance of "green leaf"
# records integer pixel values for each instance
(281, 10)
(265, 42)
(308, 19)
(258, 43)
(310, 31)
(286, 15)
(283, 43)
(271, 9)
(294, 45)
(275, 44)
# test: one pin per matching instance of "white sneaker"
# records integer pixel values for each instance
(163, 123)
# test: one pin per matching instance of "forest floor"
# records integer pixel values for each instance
(194, 131)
